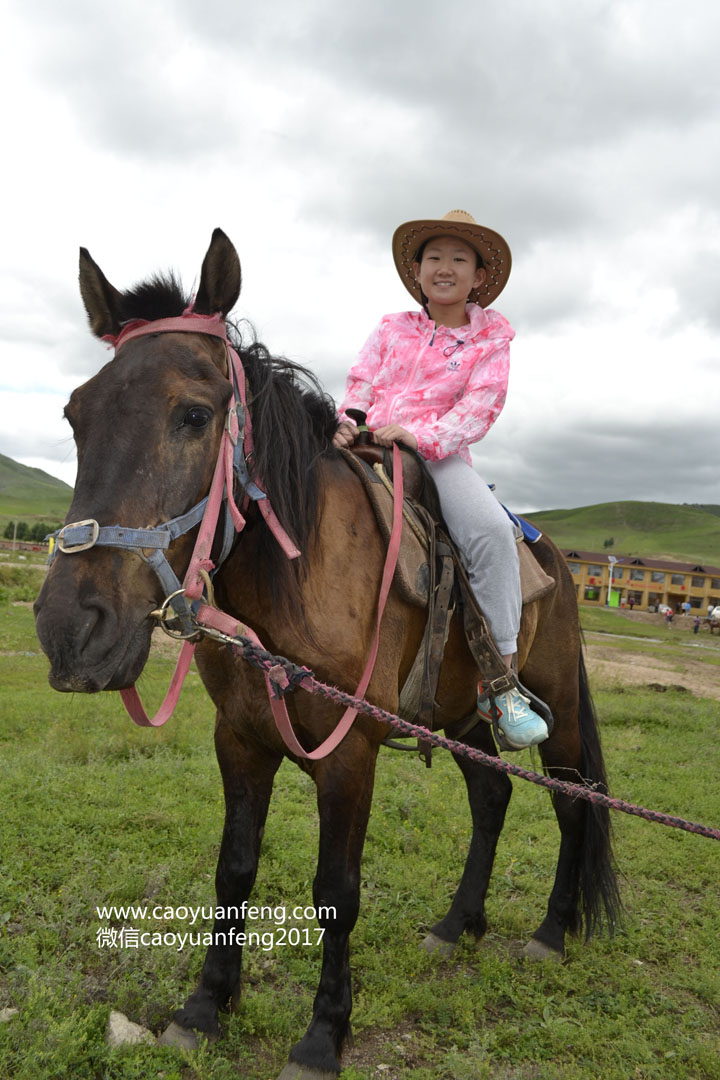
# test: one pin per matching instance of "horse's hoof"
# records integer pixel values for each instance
(293, 1071)
(436, 946)
(185, 1038)
(537, 950)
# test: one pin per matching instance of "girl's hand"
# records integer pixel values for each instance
(345, 435)
(386, 436)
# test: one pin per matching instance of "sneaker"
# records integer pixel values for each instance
(519, 725)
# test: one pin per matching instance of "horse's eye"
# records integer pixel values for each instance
(197, 417)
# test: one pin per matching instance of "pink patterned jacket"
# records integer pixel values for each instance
(447, 387)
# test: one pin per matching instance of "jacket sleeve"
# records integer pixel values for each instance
(472, 416)
(359, 391)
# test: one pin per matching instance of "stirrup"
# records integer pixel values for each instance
(538, 706)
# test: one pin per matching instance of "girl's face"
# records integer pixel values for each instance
(448, 271)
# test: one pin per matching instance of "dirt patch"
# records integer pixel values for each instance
(638, 669)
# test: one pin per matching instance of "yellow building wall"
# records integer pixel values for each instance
(592, 580)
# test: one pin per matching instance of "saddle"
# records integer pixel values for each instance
(430, 575)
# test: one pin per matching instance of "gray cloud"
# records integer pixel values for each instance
(664, 460)
(585, 133)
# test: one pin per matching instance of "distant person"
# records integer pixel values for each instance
(435, 378)
(669, 618)
(696, 625)
(631, 602)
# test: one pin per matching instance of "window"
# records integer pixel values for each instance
(595, 571)
(592, 593)
(637, 575)
(574, 567)
(715, 583)
(658, 576)
(617, 573)
(677, 579)
(697, 582)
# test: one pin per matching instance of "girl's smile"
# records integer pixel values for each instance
(447, 274)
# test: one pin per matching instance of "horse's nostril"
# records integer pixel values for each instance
(84, 629)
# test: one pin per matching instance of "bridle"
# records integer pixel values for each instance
(188, 605)
(231, 470)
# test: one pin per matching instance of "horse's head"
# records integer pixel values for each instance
(147, 428)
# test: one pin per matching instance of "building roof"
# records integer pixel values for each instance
(650, 564)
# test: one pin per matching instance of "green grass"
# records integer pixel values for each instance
(98, 811)
(611, 629)
(20, 580)
(28, 494)
(609, 621)
(685, 533)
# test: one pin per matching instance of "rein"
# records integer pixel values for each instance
(195, 614)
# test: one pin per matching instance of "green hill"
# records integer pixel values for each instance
(687, 533)
(30, 494)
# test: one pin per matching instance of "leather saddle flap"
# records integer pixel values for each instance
(412, 573)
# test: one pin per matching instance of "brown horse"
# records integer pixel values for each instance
(147, 429)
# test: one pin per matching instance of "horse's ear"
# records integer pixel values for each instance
(101, 299)
(220, 278)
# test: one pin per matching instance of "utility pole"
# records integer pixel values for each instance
(611, 562)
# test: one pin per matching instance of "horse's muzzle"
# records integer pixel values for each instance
(90, 646)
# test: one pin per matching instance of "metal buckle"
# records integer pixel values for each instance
(60, 542)
(499, 685)
(232, 412)
(161, 614)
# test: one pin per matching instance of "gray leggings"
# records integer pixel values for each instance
(484, 536)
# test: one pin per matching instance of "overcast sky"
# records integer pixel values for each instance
(587, 133)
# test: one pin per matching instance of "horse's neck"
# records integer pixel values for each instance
(339, 572)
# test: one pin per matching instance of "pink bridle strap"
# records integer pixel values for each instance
(222, 483)
(192, 323)
(189, 323)
(218, 620)
(134, 706)
(214, 619)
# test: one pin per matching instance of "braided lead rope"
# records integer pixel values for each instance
(287, 676)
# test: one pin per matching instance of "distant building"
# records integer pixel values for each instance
(648, 583)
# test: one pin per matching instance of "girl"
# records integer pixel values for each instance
(436, 380)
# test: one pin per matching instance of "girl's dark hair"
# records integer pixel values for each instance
(417, 257)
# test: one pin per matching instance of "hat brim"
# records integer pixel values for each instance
(491, 246)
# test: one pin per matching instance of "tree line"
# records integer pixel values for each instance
(35, 533)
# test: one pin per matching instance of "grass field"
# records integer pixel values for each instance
(96, 812)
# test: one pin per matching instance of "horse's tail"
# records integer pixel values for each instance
(599, 900)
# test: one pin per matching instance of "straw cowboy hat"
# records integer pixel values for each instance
(490, 245)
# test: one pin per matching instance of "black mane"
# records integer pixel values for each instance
(160, 297)
(293, 422)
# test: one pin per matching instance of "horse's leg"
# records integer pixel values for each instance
(344, 793)
(489, 794)
(248, 775)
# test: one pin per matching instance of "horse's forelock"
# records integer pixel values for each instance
(160, 297)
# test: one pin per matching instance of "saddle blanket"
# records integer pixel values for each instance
(412, 574)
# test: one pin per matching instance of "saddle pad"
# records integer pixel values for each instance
(412, 573)
(534, 582)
